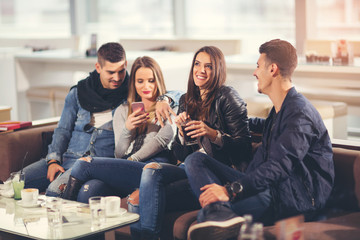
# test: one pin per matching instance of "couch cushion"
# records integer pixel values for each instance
(346, 191)
(46, 137)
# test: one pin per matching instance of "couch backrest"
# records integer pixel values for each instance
(14, 145)
(346, 192)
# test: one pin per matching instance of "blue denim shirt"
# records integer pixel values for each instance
(74, 137)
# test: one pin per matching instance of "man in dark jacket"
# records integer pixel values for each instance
(292, 171)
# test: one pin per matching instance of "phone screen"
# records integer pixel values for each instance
(137, 105)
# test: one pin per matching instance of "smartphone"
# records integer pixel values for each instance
(57, 175)
(137, 105)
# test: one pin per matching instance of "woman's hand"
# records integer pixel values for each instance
(181, 118)
(136, 119)
(199, 128)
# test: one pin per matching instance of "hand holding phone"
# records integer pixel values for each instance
(137, 105)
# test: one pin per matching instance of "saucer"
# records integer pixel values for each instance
(121, 212)
(21, 204)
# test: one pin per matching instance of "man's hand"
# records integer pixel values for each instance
(52, 170)
(136, 119)
(213, 193)
(163, 112)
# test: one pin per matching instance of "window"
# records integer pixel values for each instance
(34, 19)
(254, 22)
(338, 19)
(119, 18)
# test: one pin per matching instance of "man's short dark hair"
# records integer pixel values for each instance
(112, 52)
(282, 53)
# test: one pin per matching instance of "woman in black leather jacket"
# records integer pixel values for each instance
(216, 116)
(227, 118)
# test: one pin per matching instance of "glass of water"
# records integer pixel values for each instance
(97, 209)
(54, 213)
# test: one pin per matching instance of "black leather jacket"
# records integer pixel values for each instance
(228, 115)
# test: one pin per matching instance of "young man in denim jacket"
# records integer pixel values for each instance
(85, 127)
(292, 171)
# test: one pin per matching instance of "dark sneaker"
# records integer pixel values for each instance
(216, 230)
(217, 221)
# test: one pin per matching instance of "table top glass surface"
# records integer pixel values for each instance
(32, 222)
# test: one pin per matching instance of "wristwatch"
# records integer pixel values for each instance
(162, 98)
(234, 190)
(236, 187)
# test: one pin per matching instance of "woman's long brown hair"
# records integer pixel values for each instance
(145, 62)
(199, 108)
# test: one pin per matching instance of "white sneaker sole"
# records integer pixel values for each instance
(212, 230)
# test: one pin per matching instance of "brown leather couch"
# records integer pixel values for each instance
(341, 219)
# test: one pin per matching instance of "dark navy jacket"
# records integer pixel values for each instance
(294, 160)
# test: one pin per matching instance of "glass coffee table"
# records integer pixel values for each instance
(31, 222)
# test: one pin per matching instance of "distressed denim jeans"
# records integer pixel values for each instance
(163, 188)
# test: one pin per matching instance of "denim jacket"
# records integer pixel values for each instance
(74, 137)
(294, 160)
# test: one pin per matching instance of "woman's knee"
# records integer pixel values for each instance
(77, 168)
(133, 198)
(153, 166)
(196, 158)
(149, 171)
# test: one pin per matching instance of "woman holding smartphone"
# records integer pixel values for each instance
(216, 116)
(139, 139)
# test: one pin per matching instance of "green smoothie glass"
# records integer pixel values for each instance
(18, 182)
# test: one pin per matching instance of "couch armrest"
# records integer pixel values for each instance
(183, 223)
(14, 145)
(346, 191)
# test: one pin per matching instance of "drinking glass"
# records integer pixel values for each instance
(54, 212)
(97, 210)
(18, 182)
(187, 139)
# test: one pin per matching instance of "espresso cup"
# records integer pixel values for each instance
(112, 206)
(29, 196)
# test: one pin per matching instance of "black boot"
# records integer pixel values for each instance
(72, 189)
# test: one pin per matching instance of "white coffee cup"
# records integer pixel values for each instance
(29, 196)
(112, 206)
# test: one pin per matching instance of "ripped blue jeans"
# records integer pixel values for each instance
(36, 176)
(109, 176)
(163, 188)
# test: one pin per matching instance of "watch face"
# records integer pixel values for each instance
(236, 187)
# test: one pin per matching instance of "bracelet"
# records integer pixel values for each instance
(57, 162)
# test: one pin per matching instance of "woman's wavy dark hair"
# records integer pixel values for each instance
(199, 108)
